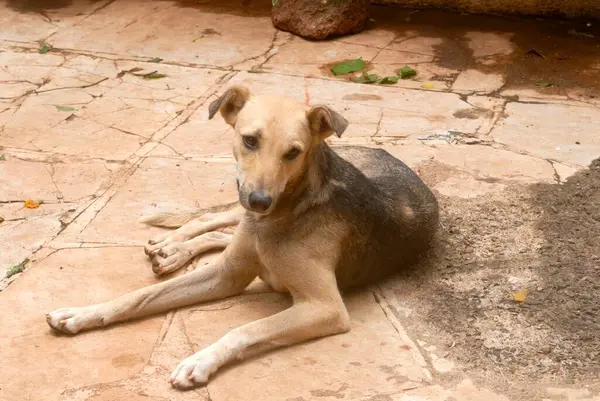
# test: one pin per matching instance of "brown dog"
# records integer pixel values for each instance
(311, 220)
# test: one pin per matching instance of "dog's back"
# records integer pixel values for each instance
(390, 213)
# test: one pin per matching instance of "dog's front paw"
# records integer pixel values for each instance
(194, 370)
(170, 258)
(73, 320)
(158, 242)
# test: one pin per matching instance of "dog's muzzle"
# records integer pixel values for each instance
(259, 201)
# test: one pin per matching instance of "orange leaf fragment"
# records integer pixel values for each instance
(521, 296)
(32, 204)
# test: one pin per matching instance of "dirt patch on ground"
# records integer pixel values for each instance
(543, 238)
(561, 52)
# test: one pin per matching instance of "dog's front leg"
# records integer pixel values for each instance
(228, 275)
(313, 315)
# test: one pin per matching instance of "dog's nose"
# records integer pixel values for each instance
(259, 201)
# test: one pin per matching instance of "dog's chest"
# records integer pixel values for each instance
(273, 269)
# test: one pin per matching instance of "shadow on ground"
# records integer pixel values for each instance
(541, 238)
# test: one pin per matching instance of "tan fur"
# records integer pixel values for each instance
(303, 264)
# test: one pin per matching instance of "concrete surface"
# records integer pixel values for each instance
(101, 148)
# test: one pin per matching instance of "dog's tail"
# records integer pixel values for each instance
(169, 219)
(177, 219)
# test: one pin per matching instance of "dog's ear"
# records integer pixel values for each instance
(324, 121)
(230, 103)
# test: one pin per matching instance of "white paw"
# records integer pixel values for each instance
(194, 370)
(155, 244)
(170, 258)
(73, 320)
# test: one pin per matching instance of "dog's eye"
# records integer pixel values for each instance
(292, 154)
(250, 142)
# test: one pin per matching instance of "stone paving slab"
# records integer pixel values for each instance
(369, 361)
(38, 364)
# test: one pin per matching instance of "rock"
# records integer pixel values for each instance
(320, 19)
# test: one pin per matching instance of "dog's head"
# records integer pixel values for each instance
(274, 137)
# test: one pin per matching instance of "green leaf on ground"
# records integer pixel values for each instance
(393, 79)
(2, 157)
(45, 49)
(64, 108)
(16, 269)
(274, 2)
(365, 78)
(544, 84)
(346, 67)
(406, 72)
(156, 60)
(153, 75)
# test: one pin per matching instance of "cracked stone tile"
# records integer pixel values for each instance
(92, 65)
(184, 81)
(308, 58)
(40, 365)
(81, 137)
(70, 78)
(13, 90)
(20, 25)
(412, 153)
(140, 121)
(39, 112)
(466, 186)
(486, 162)
(476, 81)
(198, 30)
(486, 44)
(167, 183)
(58, 179)
(370, 38)
(20, 180)
(199, 136)
(527, 94)
(423, 45)
(33, 74)
(552, 131)
(370, 360)
(564, 171)
(26, 230)
(150, 383)
(465, 390)
(30, 59)
(487, 102)
(110, 113)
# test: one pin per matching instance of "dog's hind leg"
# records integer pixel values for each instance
(228, 275)
(175, 255)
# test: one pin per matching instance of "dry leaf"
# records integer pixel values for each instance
(521, 296)
(427, 85)
(33, 204)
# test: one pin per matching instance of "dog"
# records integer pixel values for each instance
(311, 221)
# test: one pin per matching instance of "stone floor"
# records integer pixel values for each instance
(101, 146)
